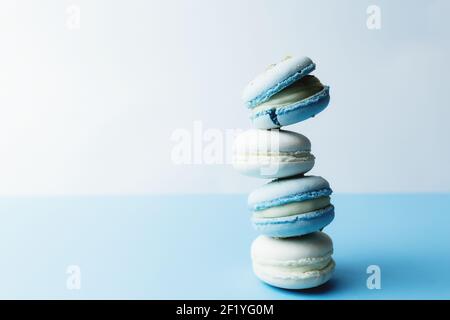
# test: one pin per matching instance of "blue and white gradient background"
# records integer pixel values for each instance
(92, 111)
(88, 114)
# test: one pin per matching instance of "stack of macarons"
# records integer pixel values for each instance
(291, 210)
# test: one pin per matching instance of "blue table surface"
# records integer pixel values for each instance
(197, 247)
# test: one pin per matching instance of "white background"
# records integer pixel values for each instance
(92, 110)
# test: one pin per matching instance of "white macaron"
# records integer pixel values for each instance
(293, 263)
(272, 153)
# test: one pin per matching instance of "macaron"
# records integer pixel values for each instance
(272, 153)
(285, 94)
(292, 206)
(293, 263)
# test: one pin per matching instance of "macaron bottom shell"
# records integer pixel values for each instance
(297, 112)
(294, 225)
(294, 280)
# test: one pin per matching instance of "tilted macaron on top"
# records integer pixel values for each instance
(302, 100)
(275, 78)
(286, 94)
(293, 263)
(292, 206)
(272, 153)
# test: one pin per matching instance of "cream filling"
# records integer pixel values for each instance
(295, 273)
(300, 90)
(272, 157)
(293, 208)
(294, 264)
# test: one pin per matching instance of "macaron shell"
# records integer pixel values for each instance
(261, 141)
(277, 189)
(314, 245)
(276, 78)
(294, 113)
(294, 225)
(300, 281)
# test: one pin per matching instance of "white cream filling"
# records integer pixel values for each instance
(266, 158)
(293, 208)
(298, 91)
(310, 271)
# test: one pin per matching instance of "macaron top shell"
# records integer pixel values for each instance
(276, 78)
(262, 197)
(272, 250)
(270, 141)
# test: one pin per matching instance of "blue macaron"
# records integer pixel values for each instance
(292, 206)
(285, 94)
